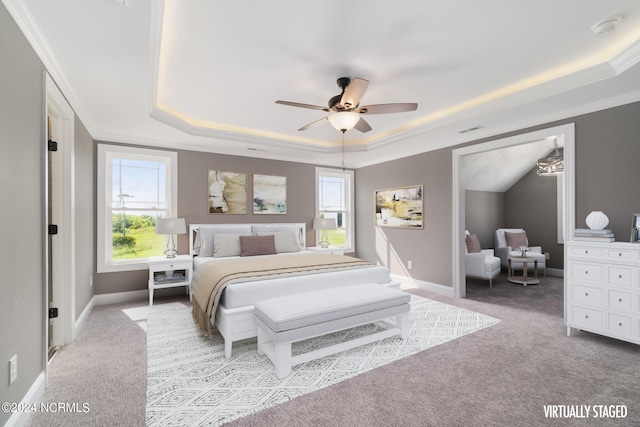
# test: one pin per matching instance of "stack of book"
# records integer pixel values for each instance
(589, 235)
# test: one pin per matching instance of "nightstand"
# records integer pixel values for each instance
(169, 273)
(330, 250)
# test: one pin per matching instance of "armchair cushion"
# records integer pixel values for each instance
(473, 244)
(515, 240)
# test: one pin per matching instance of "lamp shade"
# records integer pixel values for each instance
(170, 226)
(344, 120)
(324, 224)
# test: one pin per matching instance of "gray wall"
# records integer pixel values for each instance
(21, 216)
(428, 247)
(85, 212)
(193, 168)
(607, 179)
(531, 204)
(484, 213)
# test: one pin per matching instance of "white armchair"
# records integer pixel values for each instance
(503, 250)
(481, 265)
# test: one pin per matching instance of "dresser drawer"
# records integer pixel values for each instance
(619, 300)
(621, 325)
(582, 271)
(586, 294)
(586, 316)
(620, 254)
(585, 252)
(621, 276)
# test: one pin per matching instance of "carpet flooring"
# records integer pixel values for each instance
(190, 382)
(499, 376)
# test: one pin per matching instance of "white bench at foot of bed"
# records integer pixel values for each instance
(236, 324)
(284, 320)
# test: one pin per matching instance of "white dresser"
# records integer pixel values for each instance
(602, 289)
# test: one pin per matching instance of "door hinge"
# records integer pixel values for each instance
(53, 229)
(53, 312)
(52, 145)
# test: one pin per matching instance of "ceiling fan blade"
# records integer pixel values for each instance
(297, 104)
(354, 92)
(388, 108)
(312, 124)
(362, 125)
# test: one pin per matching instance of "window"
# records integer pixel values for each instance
(135, 187)
(334, 199)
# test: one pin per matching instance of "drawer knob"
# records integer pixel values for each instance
(619, 254)
(620, 324)
(586, 294)
(586, 316)
(619, 299)
(586, 272)
(586, 252)
(619, 276)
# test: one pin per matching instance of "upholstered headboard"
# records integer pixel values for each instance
(196, 231)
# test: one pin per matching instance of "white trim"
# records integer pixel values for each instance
(33, 397)
(350, 217)
(105, 153)
(121, 297)
(411, 283)
(564, 133)
(84, 316)
(63, 211)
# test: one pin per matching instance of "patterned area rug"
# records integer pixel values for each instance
(189, 382)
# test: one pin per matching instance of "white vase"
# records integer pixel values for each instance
(597, 220)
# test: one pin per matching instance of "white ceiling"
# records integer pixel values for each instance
(204, 75)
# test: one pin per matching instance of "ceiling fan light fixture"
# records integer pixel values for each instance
(344, 120)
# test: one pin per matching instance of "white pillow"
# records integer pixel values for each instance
(225, 245)
(286, 241)
(279, 228)
(204, 239)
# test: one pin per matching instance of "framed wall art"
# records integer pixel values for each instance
(399, 207)
(269, 194)
(227, 192)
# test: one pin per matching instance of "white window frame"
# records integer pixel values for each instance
(350, 217)
(105, 154)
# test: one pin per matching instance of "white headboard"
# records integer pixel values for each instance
(299, 227)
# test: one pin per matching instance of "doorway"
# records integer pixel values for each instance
(60, 277)
(564, 133)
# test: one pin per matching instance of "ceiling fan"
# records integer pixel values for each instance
(345, 107)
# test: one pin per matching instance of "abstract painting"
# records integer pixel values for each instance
(269, 194)
(399, 207)
(227, 192)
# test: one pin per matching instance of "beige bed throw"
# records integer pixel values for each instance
(214, 277)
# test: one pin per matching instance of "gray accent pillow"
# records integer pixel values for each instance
(257, 245)
(286, 241)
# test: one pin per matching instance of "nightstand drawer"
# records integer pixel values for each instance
(586, 272)
(586, 316)
(619, 300)
(587, 294)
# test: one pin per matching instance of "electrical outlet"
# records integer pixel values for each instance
(546, 256)
(91, 280)
(409, 265)
(13, 369)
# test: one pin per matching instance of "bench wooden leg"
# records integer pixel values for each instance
(402, 322)
(282, 356)
(263, 338)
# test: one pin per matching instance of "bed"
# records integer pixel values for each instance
(219, 248)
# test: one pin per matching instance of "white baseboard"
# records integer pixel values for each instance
(411, 283)
(33, 397)
(83, 317)
(120, 297)
(556, 272)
